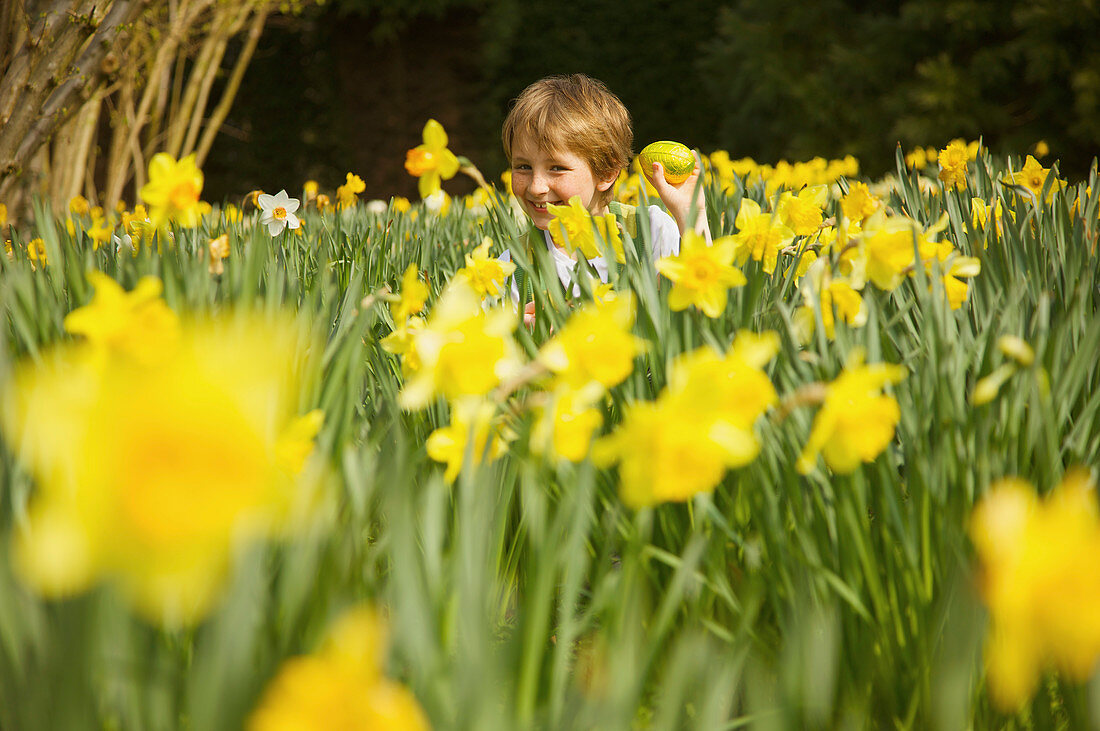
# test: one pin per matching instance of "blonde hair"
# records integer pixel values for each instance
(578, 114)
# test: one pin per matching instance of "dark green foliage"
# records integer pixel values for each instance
(801, 79)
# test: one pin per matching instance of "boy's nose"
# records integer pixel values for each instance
(538, 184)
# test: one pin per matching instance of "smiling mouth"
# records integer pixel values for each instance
(540, 206)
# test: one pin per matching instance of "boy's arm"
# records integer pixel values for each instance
(678, 198)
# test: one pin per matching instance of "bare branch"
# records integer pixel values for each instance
(220, 112)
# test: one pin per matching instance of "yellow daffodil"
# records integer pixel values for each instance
(173, 190)
(887, 247)
(857, 420)
(987, 388)
(78, 205)
(566, 423)
(803, 213)
(36, 253)
(155, 476)
(1017, 349)
(1040, 578)
(958, 268)
(347, 195)
(485, 273)
(917, 158)
(681, 444)
(664, 453)
(1033, 176)
(219, 252)
(462, 350)
(573, 228)
(469, 418)
(730, 389)
(759, 235)
(953, 160)
(835, 296)
(414, 294)
(341, 686)
(400, 342)
(701, 275)
(100, 232)
(135, 325)
(431, 162)
(3, 215)
(980, 210)
(859, 203)
(596, 344)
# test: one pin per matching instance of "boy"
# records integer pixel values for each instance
(570, 136)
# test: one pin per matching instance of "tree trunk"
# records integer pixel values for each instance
(56, 69)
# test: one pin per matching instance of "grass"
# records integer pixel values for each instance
(527, 595)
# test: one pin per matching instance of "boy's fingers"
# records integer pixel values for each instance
(658, 179)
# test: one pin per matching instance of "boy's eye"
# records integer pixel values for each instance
(521, 166)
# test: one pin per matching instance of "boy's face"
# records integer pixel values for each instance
(543, 176)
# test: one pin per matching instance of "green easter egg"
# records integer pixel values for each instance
(677, 160)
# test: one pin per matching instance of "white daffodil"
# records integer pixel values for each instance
(278, 211)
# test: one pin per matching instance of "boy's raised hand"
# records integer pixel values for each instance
(678, 198)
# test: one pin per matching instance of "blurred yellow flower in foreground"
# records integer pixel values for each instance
(663, 454)
(341, 686)
(431, 161)
(857, 420)
(470, 417)
(728, 390)
(567, 421)
(1040, 578)
(462, 350)
(701, 274)
(135, 325)
(152, 471)
(681, 444)
(596, 344)
(173, 190)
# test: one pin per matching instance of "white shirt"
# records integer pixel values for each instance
(664, 241)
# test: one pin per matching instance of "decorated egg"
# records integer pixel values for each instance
(677, 160)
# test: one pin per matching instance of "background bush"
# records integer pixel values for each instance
(764, 79)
